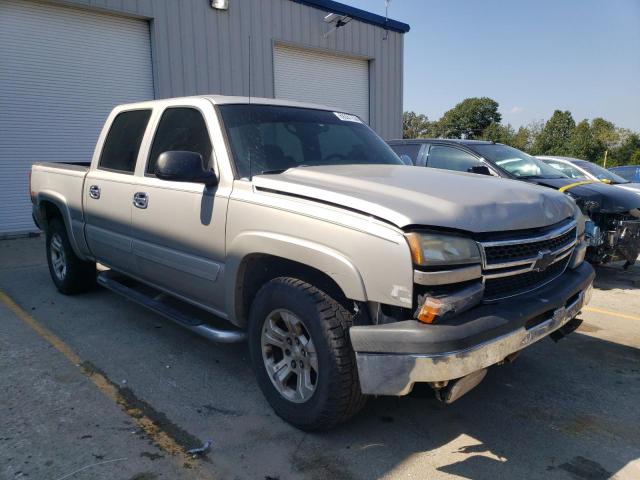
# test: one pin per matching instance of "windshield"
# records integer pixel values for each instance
(599, 172)
(517, 162)
(271, 139)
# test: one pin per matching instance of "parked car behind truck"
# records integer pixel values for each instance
(613, 214)
(584, 170)
(348, 273)
(630, 173)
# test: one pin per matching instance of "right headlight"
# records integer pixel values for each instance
(434, 249)
(580, 249)
(580, 220)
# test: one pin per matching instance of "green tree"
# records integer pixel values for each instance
(415, 125)
(583, 143)
(469, 118)
(628, 152)
(606, 134)
(555, 137)
(522, 139)
(499, 133)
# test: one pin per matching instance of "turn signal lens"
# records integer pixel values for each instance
(430, 310)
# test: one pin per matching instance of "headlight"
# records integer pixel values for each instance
(580, 220)
(433, 249)
(582, 223)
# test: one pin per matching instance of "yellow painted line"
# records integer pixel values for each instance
(609, 312)
(576, 184)
(155, 434)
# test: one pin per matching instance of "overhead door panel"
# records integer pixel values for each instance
(313, 76)
(61, 71)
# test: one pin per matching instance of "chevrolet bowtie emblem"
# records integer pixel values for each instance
(543, 260)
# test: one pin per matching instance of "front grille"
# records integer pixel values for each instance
(495, 288)
(520, 251)
(514, 266)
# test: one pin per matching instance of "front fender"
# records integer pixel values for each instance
(306, 252)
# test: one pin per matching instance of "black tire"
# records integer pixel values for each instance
(337, 396)
(77, 276)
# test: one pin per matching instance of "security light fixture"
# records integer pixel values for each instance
(337, 21)
(220, 4)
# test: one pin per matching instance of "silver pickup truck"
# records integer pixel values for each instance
(297, 228)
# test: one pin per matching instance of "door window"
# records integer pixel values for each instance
(450, 158)
(409, 151)
(122, 144)
(180, 128)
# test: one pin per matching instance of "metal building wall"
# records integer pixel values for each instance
(198, 50)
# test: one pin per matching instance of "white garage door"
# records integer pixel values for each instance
(317, 77)
(61, 71)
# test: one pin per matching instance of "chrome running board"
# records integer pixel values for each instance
(180, 312)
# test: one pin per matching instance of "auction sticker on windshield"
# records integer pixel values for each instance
(347, 117)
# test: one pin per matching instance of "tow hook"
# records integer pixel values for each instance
(455, 389)
(566, 329)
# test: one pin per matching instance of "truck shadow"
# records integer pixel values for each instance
(613, 276)
(559, 410)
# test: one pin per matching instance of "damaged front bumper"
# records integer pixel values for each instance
(392, 357)
(613, 239)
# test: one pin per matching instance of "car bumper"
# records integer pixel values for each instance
(391, 358)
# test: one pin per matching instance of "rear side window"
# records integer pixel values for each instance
(181, 128)
(121, 147)
(409, 151)
(451, 158)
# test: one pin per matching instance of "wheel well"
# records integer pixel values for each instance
(49, 211)
(256, 270)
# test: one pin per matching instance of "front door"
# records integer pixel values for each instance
(179, 227)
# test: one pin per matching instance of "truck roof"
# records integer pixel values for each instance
(228, 99)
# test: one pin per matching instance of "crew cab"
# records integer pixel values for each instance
(613, 214)
(297, 228)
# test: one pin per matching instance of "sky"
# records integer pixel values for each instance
(532, 56)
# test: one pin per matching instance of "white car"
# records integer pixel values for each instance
(582, 169)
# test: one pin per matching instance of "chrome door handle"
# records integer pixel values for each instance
(94, 191)
(140, 200)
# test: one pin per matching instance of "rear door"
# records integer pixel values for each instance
(109, 191)
(179, 227)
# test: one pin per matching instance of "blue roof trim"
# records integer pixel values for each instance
(357, 14)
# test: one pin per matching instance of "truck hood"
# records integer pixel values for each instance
(425, 196)
(607, 198)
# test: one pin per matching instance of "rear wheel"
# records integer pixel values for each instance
(69, 273)
(302, 356)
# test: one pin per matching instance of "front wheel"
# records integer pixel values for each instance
(302, 356)
(69, 273)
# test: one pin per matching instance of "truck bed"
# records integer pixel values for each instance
(63, 185)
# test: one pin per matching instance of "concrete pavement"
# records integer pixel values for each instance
(567, 411)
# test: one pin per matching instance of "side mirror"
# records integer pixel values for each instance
(480, 170)
(182, 166)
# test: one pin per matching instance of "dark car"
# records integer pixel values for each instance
(613, 229)
(628, 172)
